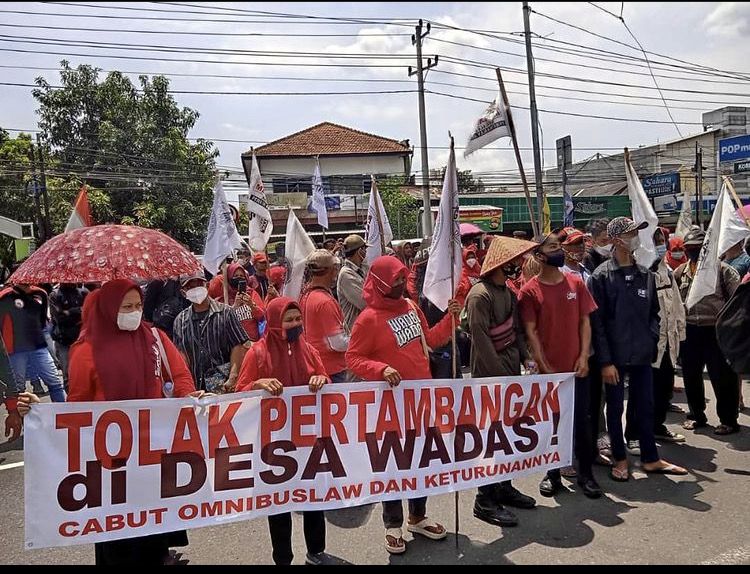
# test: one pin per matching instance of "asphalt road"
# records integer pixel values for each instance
(698, 519)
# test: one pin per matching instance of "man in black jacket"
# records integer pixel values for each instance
(66, 305)
(625, 331)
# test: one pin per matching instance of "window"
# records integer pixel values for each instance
(736, 120)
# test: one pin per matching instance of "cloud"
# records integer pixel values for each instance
(729, 19)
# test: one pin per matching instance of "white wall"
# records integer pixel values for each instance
(270, 168)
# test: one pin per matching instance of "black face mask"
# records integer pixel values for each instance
(293, 334)
(396, 292)
(235, 283)
(556, 258)
(511, 271)
(693, 254)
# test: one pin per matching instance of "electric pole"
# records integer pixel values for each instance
(534, 117)
(699, 176)
(416, 40)
(43, 177)
(40, 227)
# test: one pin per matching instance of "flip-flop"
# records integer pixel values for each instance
(392, 548)
(619, 475)
(422, 526)
(726, 429)
(693, 425)
(669, 469)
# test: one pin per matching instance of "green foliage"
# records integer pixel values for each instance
(466, 181)
(402, 208)
(130, 146)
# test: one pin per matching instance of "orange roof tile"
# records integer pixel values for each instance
(329, 139)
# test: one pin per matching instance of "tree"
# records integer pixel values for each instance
(130, 143)
(402, 209)
(466, 181)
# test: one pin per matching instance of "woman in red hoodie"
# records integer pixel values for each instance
(676, 253)
(247, 304)
(388, 342)
(118, 357)
(469, 274)
(283, 358)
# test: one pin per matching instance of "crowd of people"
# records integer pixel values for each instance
(572, 301)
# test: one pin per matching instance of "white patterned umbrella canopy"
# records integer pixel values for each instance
(104, 252)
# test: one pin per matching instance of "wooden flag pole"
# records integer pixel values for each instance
(735, 197)
(378, 216)
(454, 346)
(512, 128)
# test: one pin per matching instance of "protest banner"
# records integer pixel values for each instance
(112, 470)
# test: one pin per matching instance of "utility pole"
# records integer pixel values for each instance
(37, 205)
(534, 117)
(416, 40)
(43, 177)
(698, 170)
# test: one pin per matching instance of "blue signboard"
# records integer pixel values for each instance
(733, 149)
(661, 184)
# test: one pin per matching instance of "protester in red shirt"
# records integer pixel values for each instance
(243, 298)
(322, 318)
(283, 358)
(555, 309)
(469, 273)
(389, 342)
(118, 357)
(276, 278)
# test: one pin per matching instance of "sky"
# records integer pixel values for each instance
(707, 34)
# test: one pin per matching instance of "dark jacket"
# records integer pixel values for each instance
(66, 326)
(625, 327)
(8, 390)
(162, 302)
(592, 260)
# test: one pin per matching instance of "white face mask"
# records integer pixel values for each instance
(471, 262)
(635, 244)
(129, 321)
(604, 251)
(196, 295)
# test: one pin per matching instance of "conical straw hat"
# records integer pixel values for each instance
(504, 250)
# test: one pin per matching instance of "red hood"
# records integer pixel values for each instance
(471, 271)
(383, 273)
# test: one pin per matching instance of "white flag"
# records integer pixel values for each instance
(492, 125)
(642, 210)
(376, 218)
(726, 229)
(297, 247)
(318, 198)
(685, 220)
(222, 237)
(444, 264)
(261, 224)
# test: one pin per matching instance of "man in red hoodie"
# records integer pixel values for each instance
(388, 342)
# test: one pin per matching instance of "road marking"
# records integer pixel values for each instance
(736, 556)
(11, 465)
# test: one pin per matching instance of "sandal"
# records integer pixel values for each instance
(726, 429)
(428, 529)
(619, 474)
(394, 541)
(692, 425)
(668, 469)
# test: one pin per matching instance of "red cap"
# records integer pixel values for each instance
(260, 257)
(572, 236)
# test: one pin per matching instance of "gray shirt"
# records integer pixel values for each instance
(349, 289)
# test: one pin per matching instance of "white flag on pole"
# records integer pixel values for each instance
(726, 229)
(685, 220)
(297, 246)
(261, 224)
(444, 265)
(81, 214)
(376, 218)
(492, 125)
(642, 210)
(222, 237)
(318, 198)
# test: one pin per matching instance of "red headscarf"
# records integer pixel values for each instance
(290, 363)
(125, 361)
(383, 274)
(252, 282)
(676, 244)
(277, 275)
(471, 250)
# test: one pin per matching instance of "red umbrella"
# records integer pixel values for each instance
(105, 252)
(469, 229)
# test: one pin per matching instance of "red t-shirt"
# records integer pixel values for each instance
(322, 318)
(557, 310)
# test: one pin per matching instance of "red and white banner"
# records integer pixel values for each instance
(105, 471)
